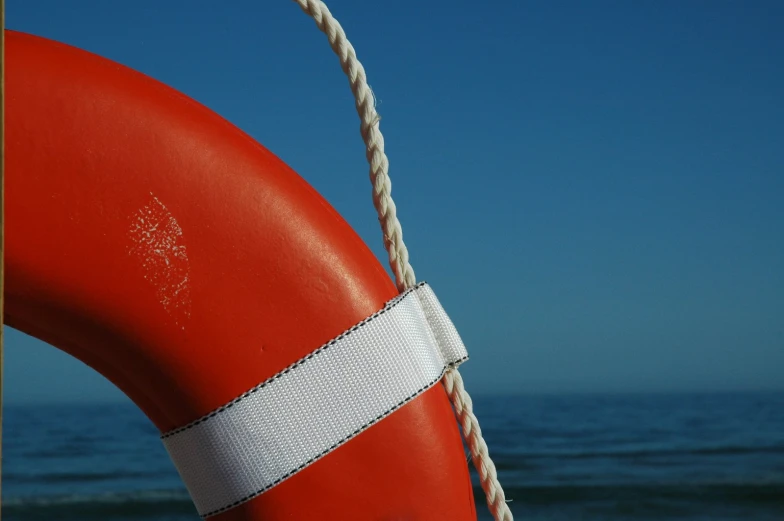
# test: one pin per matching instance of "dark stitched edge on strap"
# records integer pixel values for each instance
(341, 442)
(389, 305)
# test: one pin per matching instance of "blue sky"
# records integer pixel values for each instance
(595, 190)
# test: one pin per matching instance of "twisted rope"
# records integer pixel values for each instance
(393, 240)
(374, 142)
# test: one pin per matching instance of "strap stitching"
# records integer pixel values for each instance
(334, 446)
(389, 305)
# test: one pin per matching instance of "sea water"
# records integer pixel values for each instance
(698, 457)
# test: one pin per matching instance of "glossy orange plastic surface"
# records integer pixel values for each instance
(165, 248)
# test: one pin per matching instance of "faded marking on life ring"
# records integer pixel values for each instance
(157, 241)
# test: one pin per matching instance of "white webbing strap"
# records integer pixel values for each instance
(284, 424)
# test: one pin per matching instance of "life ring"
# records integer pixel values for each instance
(165, 248)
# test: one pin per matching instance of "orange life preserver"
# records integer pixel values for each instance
(165, 248)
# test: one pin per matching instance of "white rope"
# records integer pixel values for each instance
(488, 476)
(393, 240)
(374, 141)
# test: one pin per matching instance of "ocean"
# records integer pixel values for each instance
(578, 458)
